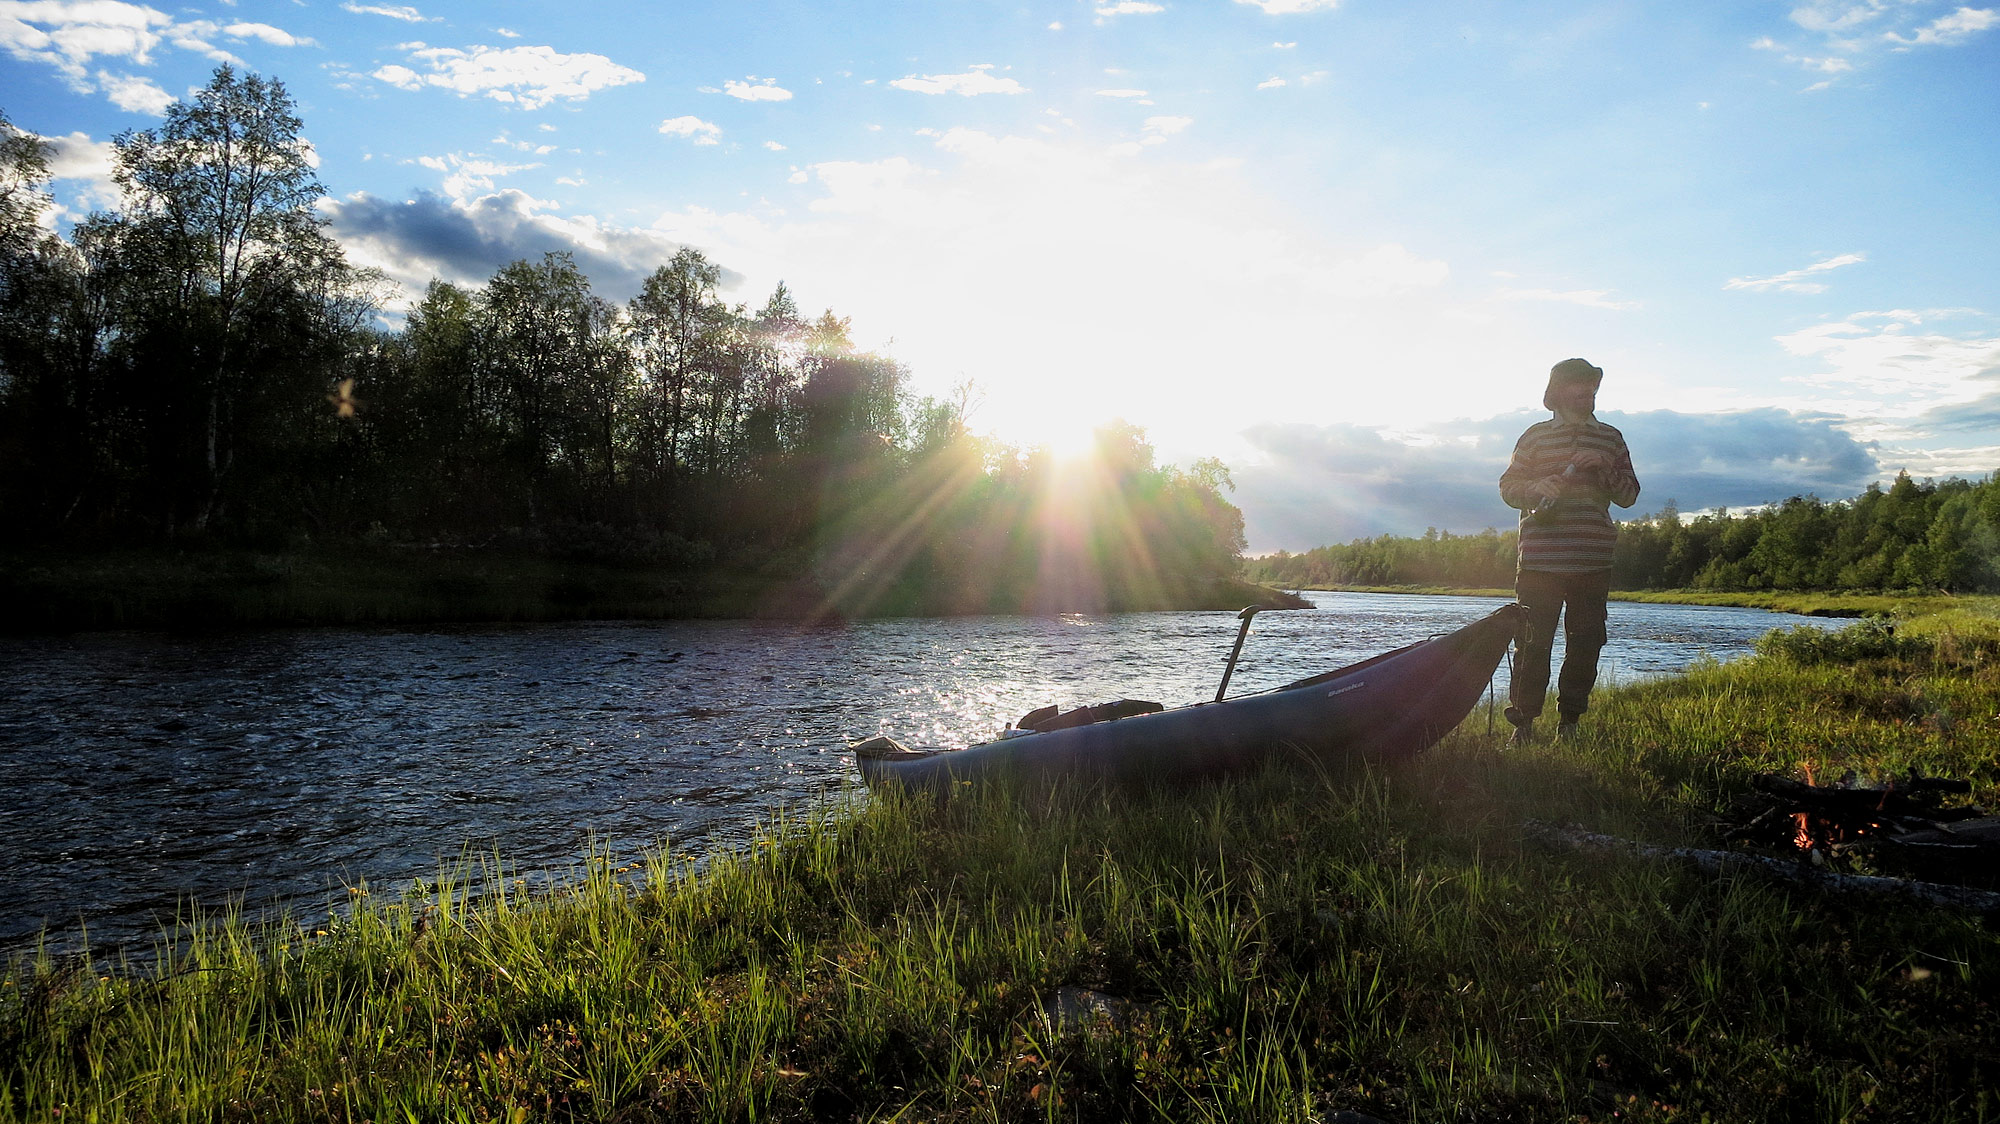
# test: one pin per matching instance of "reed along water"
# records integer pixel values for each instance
(142, 771)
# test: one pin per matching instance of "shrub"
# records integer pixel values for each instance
(1873, 639)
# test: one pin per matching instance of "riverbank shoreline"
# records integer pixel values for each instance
(404, 587)
(1382, 939)
(1806, 603)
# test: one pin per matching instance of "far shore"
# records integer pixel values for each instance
(1803, 602)
(394, 586)
(62, 591)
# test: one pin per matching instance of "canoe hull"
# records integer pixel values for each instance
(1393, 704)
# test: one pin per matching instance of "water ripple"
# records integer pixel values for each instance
(138, 771)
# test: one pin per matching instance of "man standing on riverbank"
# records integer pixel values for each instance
(1565, 475)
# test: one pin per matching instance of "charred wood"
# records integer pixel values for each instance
(1794, 871)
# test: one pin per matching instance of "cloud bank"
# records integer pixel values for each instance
(1313, 485)
(466, 241)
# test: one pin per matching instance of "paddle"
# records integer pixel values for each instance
(1243, 616)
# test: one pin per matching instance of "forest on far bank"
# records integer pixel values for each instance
(202, 367)
(1928, 535)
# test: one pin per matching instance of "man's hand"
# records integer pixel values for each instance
(1551, 487)
(1590, 460)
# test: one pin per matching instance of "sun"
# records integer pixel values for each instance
(1063, 434)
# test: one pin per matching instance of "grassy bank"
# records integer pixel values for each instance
(1381, 939)
(388, 586)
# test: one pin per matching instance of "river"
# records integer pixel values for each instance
(141, 771)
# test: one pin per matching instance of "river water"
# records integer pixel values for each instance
(141, 771)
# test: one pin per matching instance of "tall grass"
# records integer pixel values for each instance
(1378, 938)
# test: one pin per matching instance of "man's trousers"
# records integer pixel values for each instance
(1580, 600)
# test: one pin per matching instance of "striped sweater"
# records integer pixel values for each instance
(1573, 534)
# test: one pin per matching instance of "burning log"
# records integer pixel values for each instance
(1899, 819)
(1788, 870)
(1913, 796)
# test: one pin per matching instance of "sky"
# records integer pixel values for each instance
(1335, 243)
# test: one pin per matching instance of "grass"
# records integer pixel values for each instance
(1833, 603)
(1374, 938)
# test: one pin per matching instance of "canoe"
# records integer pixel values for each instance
(1395, 703)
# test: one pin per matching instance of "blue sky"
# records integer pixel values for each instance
(1337, 244)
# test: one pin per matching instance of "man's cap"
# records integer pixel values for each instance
(1568, 371)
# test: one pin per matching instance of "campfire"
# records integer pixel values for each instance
(1902, 837)
(1906, 826)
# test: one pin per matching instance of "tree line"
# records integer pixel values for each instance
(203, 365)
(1930, 535)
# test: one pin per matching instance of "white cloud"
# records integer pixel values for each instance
(529, 77)
(1837, 16)
(1896, 364)
(468, 173)
(1293, 7)
(1853, 28)
(1954, 28)
(1588, 298)
(397, 12)
(1271, 83)
(774, 146)
(84, 170)
(1285, 46)
(77, 157)
(134, 94)
(70, 35)
(524, 146)
(506, 33)
(1055, 25)
(264, 32)
(1127, 8)
(1121, 93)
(1797, 280)
(199, 37)
(703, 132)
(976, 81)
(766, 89)
(1155, 130)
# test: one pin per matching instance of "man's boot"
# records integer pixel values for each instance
(1524, 725)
